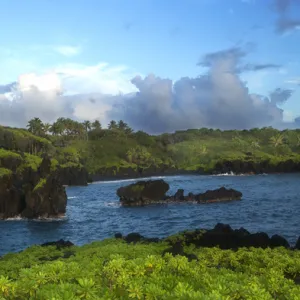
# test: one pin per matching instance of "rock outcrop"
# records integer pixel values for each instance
(32, 194)
(154, 191)
(143, 192)
(223, 236)
(12, 200)
(73, 175)
(219, 195)
(60, 244)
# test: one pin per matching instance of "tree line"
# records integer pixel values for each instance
(67, 127)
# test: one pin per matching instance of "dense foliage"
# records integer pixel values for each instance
(72, 143)
(112, 269)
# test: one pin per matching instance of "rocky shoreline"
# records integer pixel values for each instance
(222, 236)
(25, 194)
(238, 167)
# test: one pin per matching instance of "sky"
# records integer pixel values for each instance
(158, 65)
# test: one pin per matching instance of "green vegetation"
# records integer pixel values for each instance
(119, 148)
(40, 184)
(9, 154)
(112, 269)
(5, 172)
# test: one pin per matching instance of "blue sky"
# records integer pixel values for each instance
(166, 38)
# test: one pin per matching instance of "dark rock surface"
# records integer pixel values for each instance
(32, 194)
(153, 191)
(253, 167)
(221, 194)
(73, 175)
(12, 200)
(60, 244)
(297, 246)
(143, 192)
(246, 166)
(223, 236)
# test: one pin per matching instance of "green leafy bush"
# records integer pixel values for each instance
(112, 269)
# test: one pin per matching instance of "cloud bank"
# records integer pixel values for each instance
(218, 98)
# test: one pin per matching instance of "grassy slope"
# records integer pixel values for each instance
(112, 269)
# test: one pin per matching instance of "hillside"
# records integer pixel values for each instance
(119, 151)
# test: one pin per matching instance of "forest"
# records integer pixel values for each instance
(88, 144)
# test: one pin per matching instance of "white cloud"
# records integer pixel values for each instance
(288, 116)
(100, 78)
(67, 50)
(66, 90)
(295, 80)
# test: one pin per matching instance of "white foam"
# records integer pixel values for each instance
(54, 219)
(226, 174)
(17, 218)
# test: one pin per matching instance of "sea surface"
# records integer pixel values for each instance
(270, 203)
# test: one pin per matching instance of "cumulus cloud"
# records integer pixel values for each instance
(216, 99)
(73, 90)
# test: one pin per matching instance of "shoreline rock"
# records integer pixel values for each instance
(32, 194)
(154, 192)
(222, 235)
(73, 176)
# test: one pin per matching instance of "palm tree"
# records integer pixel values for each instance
(96, 125)
(36, 126)
(112, 125)
(122, 125)
(60, 126)
(57, 128)
(254, 144)
(277, 140)
(47, 127)
(87, 127)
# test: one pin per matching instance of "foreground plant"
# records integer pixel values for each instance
(112, 269)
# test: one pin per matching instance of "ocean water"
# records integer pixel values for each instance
(270, 203)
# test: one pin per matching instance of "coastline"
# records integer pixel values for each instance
(102, 178)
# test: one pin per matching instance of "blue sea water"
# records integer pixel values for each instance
(270, 203)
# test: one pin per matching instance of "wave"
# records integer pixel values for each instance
(241, 174)
(39, 219)
(226, 174)
(16, 218)
(72, 197)
(50, 219)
